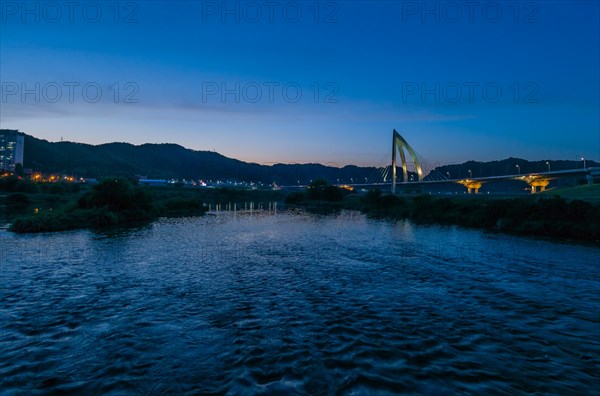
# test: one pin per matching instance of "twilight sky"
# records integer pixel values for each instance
(306, 81)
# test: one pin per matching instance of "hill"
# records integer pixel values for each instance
(172, 161)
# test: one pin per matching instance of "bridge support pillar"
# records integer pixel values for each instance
(541, 183)
(472, 186)
(535, 181)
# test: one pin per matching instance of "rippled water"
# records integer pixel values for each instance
(292, 303)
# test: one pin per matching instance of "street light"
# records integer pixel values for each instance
(338, 180)
(583, 159)
(548, 163)
(448, 173)
(365, 180)
(518, 169)
(470, 173)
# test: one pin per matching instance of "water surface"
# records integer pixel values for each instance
(292, 303)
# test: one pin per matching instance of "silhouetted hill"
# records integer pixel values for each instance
(171, 161)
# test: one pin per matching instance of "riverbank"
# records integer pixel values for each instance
(42, 207)
(111, 203)
(117, 203)
(545, 215)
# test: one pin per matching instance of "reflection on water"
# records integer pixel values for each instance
(259, 300)
(270, 207)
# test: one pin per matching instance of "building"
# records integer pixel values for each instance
(12, 143)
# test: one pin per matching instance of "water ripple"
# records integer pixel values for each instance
(291, 303)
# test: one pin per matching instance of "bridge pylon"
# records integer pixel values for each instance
(399, 144)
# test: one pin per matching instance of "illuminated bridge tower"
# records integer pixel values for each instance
(399, 144)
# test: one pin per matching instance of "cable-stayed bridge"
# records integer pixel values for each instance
(424, 173)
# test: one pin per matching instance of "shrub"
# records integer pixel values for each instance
(390, 200)
(26, 186)
(8, 183)
(579, 210)
(118, 195)
(294, 198)
(322, 191)
(57, 188)
(372, 197)
(17, 199)
(332, 194)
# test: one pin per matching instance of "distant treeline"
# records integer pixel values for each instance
(541, 216)
(552, 217)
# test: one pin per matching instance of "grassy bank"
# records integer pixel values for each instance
(552, 217)
(586, 193)
(570, 213)
(540, 215)
(35, 207)
(111, 203)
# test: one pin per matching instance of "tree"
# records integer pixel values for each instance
(321, 190)
(316, 188)
(117, 195)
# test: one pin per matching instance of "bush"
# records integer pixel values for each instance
(57, 188)
(46, 222)
(316, 188)
(372, 197)
(118, 195)
(332, 194)
(17, 199)
(115, 194)
(579, 211)
(294, 198)
(101, 218)
(390, 201)
(8, 183)
(26, 186)
(320, 190)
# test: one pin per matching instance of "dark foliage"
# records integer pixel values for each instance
(322, 191)
(552, 217)
(295, 198)
(17, 199)
(112, 202)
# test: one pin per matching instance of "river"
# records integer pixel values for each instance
(287, 302)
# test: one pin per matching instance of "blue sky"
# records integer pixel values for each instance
(308, 81)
